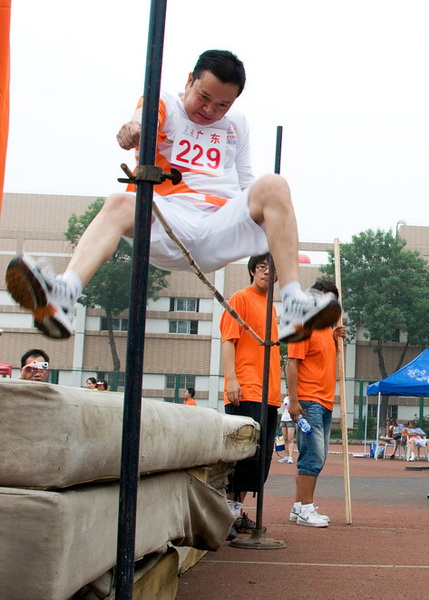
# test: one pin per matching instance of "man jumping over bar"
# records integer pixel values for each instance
(218, 210)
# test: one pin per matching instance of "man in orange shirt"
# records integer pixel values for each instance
(311, 380)
(190, 397)
(243, 360)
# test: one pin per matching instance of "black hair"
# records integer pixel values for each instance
(225, 65)
(104, 383)
(326, 286)
(33, 352)
(92, 380)
(191, 392)
(254, 260)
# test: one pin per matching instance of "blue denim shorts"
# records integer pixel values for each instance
(313, 448)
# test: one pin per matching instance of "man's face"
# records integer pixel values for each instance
(187, 394)
(38, 374)
(261, 277)
(207, 99)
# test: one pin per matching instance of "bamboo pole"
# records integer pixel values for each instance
(343, 411)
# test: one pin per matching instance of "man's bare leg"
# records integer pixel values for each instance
(52, 300)
(102, 236)
(270, 203)
(305, 486)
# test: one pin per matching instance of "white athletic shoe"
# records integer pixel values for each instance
(294, 514)
(33, 285)
(305, 312)
(285, 459)
(312, 519)
(290, 460)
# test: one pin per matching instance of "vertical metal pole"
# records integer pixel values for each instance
(267, 356)
(137, 314)
(360, 416)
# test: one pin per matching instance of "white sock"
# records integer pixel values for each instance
(297, 506)
(306, 507)
(289, 289)
(74, 282)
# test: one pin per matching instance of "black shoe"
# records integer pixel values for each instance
(245, 524)
(232, 534)
(392, 457)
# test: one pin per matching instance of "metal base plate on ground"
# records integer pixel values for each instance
(416, 468)
(257, 541)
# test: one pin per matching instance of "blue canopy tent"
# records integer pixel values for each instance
(411, 380)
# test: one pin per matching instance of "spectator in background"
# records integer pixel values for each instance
(34, 365)
(393, 434)
(415, 436)
(288, 430)
(102, 385)
(91, 383)
(190, 397)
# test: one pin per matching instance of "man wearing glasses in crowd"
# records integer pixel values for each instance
(243, 359)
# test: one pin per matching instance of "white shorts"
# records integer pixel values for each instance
(213, 235)
(420, 442)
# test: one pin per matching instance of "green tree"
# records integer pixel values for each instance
(384, 290)
(110, 286)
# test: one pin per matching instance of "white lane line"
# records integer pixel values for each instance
(298, 564)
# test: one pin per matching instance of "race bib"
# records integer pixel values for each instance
(199, 149)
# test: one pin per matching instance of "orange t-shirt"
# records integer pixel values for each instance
(317, 367)
(251, 305)
(190, 402)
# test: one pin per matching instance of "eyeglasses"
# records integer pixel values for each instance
(262, 267)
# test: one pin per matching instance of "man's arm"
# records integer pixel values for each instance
(292, 387)
(28, 371)
(129, 134)
(233, 390)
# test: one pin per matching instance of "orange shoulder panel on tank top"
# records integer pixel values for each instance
(167, 187)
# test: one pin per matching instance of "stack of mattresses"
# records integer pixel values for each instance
(59, 468)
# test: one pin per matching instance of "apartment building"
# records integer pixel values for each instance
(182, 344)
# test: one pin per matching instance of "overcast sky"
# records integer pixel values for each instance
(347, 81)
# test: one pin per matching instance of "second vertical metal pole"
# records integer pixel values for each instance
(258, 539)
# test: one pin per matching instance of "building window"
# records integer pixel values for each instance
(372, 410)
(180, 381)
(397, 336)
(392, 411)
(183, 327)
(117, 324)
(185, 304)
